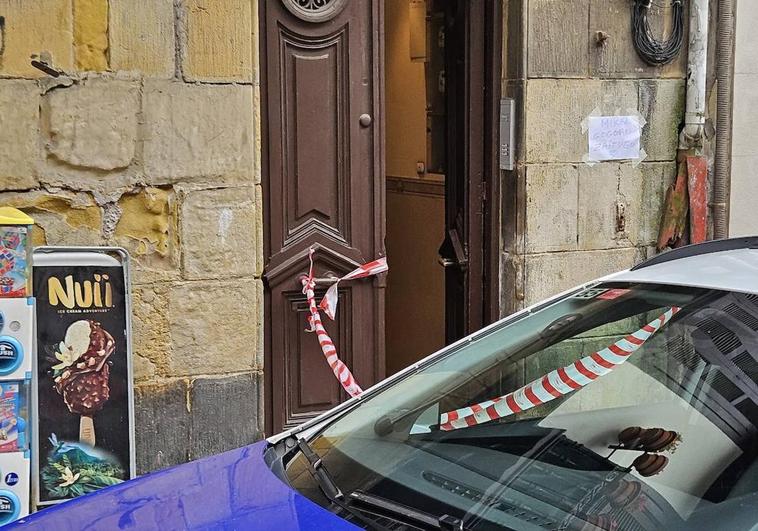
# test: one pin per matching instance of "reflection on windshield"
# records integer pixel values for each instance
(556, 383)
(665, 440)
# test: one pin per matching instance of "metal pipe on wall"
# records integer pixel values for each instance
(693, 165)
(724, 77)
(694, 116)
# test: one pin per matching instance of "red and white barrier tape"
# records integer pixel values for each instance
(329, 305)
(329, 302)
(556, 383)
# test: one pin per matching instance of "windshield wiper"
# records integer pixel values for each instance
(328, 486)
(319, 472)
(334, 494)
(406, 513)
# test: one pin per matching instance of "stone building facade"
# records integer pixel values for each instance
(565, 221)
(150, 139)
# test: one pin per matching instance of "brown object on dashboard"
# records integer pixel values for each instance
(629, 436)
(650, 464)
(646, 439)
(655, 442)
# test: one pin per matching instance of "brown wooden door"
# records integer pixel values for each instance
(463, 251)
(323, 177)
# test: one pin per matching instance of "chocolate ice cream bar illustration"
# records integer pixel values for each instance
(81, 377)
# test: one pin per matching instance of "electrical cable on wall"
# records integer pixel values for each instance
(653, 51)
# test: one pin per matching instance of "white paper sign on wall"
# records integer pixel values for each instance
(614, 137)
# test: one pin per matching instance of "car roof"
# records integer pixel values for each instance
(730, 265)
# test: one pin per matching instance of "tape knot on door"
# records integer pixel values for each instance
(329, 305)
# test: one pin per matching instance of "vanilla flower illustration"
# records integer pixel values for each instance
(68, 477)
(65, 356)
(73, 345)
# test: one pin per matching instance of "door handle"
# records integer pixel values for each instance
(364, 120)
(452, 253)
(446, 262)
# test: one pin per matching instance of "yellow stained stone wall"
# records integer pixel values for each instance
(91, 34)
(31, 27)
(217, 33)
(149, 140)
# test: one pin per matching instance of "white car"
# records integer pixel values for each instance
(627, 403)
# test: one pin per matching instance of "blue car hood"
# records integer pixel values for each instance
(233, 490)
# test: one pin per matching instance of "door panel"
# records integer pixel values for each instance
(463, 247)
(308, 366)
(323, 180)
(315, 103)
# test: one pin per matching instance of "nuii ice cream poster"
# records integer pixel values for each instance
(83, 375)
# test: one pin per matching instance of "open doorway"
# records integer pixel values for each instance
(442, 89)
(416, 145)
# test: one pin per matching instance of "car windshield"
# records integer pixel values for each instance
(622, 406)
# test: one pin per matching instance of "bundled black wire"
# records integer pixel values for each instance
(649, 48)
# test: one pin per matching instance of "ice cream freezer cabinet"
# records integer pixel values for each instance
(17, 353)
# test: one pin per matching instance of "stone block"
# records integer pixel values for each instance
(142, 37)
(555, 109)
(147, 227)
(620, 204)
(219, 233)
(600, 208)
(615, 56)
(198, 133)
(514, 40)
(260, 303)
(613, 198)
(662, 106)
(150, 331)
(224, 414)
(63, 218)
(256, 45)
(259, 260)
(257, 135)
(19, 126)
(512, 283)
(218, 43)
(550, 273)
(93, 125)
(162, 425)
(213, 327)
(557, 41)
(643, 193)
(91, 34)
(32, 28)
(551, 208)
